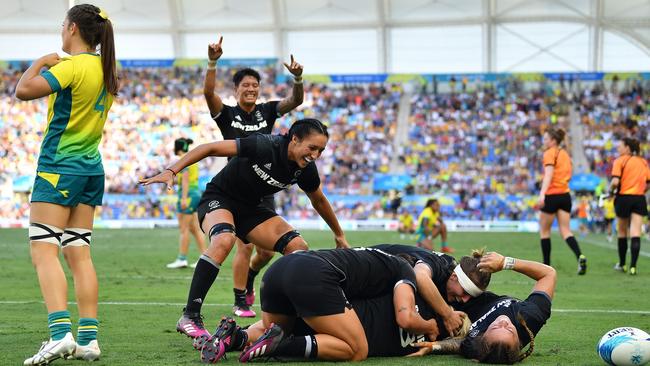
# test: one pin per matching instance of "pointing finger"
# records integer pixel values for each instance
(220, 40)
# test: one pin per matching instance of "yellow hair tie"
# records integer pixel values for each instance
(103, 14)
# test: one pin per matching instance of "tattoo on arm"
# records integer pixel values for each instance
(447, 346)
(403, 308)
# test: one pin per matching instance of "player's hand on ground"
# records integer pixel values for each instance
(341, 242)
(294, 67)
(166, 177)
(51, 59)
(214, 50)
(491, 262)
(424, 349)
(454, 322)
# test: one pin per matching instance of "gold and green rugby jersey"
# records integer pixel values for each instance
(192, 181)
(76, 114)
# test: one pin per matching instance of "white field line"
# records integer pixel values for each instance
(610, 246)
(144, 303)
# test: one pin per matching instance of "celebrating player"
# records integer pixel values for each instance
(231, 205)
(630, 175)
(70, 176)
(242, 120)
(430, 225)
(554, 198)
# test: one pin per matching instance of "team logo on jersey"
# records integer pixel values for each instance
(268, 166)
(213, 204)
(238, 117)
(297, 173)
(268, 179)
(258, 115)
(248, 128)
(474, 333)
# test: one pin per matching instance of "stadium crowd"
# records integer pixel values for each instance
(479, 146)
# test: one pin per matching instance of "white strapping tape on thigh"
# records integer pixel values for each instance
(76, 237)
(44, 233)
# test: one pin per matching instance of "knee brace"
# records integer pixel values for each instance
(76, 237)
(223, 227)
(45, 233)
(284, 240)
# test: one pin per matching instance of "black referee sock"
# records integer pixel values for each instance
(635, 248)
(240, 297)
(251, 279)
(573, 244)
(205, 273)
(300, 347)
(622, 251)
(546, 250)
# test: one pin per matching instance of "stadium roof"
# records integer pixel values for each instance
(392, 35)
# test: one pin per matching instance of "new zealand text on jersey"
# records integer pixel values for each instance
(266, 177)
(257, 127)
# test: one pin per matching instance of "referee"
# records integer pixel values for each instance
(630, 176)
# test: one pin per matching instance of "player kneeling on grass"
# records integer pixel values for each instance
(502, 325)
(231, 206)
(316, 286)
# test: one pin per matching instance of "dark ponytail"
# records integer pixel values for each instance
(97, 30)
(182, 144)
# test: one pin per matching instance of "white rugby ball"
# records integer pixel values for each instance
(625, 346)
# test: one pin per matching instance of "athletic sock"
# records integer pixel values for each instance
(251, 279)
(622, 251)
(546, 250)
(205, 273)
(443, 244)
(182, 257)
(635, 248)
(302, 347)
(87, 331)
(573, 244)
(59, 323)
(240, 296)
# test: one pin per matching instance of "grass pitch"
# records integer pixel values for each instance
(140, 300)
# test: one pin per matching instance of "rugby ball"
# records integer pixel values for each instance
(625, 346)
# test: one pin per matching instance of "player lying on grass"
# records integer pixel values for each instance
(375, 314)
(502, 325)
(316, 286)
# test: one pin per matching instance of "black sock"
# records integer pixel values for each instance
(240, 296)
(546, 250)
(635, 248)
(205, 273)
(573, 244)
(622, 251)
(251, 279)
(301, 347)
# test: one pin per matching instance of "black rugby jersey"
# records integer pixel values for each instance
(385, 337)
(442, 265)
(262, 167)
(235, 122)
(366, 272)
(535, 310)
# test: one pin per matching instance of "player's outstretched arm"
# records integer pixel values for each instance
(219, 148)
(544, 275)
(324, 209)
(291, 102)
(213, 100)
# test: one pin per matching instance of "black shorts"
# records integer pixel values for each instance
(246, 215)
(302, 285)
(626, 205)
(555, 202)
(608, 221)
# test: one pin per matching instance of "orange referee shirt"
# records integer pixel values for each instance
(561, 162)
(633, 173)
